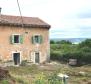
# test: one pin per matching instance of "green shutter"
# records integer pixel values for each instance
(33, 39)
(40, 39)
(21, 39)
(12, 39)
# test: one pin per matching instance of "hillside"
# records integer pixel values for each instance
(73, 40)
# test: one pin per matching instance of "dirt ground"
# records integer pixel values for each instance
(77, 75)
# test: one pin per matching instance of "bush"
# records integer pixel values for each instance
(56, 56)
(86, 43)
(86, 58)
(42, 79)
(63, 42)
(53, 79)
(52, 42)
(5, 82)
(21, 81)
(64, 52)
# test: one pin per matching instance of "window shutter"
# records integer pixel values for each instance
(12, 39)
(33, 39)
(21, 39)
(40, 39)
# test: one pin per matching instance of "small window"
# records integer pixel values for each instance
(37, 39)
(16, 39)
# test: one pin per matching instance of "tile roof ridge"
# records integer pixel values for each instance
(18, 16)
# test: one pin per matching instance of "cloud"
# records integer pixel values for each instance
(68, 18)
(65, 35)
(86, 13)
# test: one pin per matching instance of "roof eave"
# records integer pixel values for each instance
(25, 25)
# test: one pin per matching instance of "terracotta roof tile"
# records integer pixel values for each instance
(27, 21)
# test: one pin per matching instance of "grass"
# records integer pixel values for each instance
(28, 74)
(21, 70)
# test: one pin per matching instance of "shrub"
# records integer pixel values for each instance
(64, 52)
(20, 81)
(63, 42)
(56, 56)
(5, 82)
(53, 79)
(42, 79)
(86, 43)
(52, 42)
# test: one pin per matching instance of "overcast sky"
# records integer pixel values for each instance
(68, 18)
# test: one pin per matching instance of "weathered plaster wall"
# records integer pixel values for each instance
(6, 48)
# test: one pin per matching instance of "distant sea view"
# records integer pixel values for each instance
(73, 40)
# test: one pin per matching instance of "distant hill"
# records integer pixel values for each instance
(73, 40)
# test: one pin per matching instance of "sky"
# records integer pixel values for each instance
(68, 18)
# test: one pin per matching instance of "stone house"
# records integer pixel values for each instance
(24, 38)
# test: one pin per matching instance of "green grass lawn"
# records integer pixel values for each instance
(28, 74)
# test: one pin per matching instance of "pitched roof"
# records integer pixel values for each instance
(27, 21)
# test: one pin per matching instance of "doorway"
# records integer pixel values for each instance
(16, 58)
(37, 57)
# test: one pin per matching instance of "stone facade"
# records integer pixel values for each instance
(27, 49)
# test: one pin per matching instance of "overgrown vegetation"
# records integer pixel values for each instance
(47, 73)
(64, 50)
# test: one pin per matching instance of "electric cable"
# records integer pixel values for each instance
(20, 12)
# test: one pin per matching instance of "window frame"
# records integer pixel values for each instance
(33, 56)
(19, 38)
(12, 52)
(36, 40)
(39, 39)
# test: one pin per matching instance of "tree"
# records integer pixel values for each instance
(86, 43)
(52, 42)
(63, 42)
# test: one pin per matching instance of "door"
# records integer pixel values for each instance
(16, 58)
(37, 58)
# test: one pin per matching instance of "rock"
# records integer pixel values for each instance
(81, 73)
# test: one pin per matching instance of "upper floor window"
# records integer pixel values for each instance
(16, 39)
(37, 39)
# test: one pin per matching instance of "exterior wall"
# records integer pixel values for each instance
(26, 49)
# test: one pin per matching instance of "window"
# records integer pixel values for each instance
(16, 39)
(37, 39)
